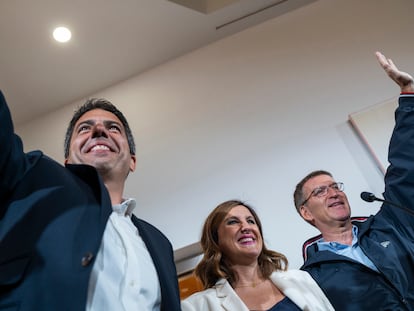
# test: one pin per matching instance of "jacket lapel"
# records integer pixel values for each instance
(228, 297)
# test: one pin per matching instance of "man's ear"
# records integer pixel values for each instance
(306, 213)
(133, 163)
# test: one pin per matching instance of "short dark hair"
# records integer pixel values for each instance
(298, 196)
(98, 103)
(214, 266)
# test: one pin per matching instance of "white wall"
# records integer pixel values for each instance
(248, 116)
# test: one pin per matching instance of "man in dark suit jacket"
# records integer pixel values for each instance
(68, 238)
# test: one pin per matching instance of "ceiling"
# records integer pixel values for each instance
(112, 40)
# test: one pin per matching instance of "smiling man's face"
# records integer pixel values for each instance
(99, 140)
(328, 210)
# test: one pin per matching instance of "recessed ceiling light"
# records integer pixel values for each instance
(62, 34)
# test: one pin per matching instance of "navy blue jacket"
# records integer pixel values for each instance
(52, 219)
(386, 238)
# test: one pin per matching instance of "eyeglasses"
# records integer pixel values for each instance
(321, 191)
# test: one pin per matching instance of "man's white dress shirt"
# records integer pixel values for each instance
(123, 276)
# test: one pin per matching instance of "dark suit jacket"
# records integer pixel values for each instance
(52, 219)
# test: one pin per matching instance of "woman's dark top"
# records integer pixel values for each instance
(285, 305)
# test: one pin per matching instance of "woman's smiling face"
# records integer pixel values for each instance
(239, 236)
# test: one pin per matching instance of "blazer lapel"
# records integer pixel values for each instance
(292, 285)
(161, 253)
(229, 300)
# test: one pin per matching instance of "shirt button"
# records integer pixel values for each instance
(132, 283)
(86, 259)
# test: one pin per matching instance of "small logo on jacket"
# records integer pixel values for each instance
(385, 244)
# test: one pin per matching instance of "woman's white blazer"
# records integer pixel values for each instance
(298, 285)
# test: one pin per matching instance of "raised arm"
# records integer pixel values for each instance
(399, 178)
(13, 161)
(403, 79)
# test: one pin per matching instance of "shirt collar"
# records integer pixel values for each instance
(325, 245)
(125, 208)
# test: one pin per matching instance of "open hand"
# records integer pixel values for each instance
(403, 79)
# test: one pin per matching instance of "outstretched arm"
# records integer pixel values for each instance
(403, 79)
(399, 179)
(12, 158)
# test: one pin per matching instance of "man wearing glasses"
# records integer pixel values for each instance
(366, 264)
